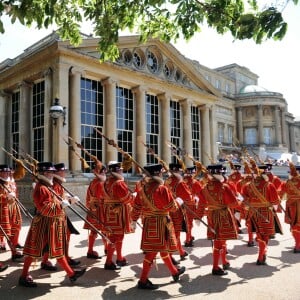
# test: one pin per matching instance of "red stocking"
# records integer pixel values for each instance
(64, 264)
(27, 263)
(165, 256)
(216, 254)
(147, 263)
(92, 239)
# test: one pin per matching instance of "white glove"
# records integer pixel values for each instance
(133, 225)
(179, 201)
(65, 203)
(240, 197)
(275, 206)
(11, 196)
(197, 222)
(237, 215)
(134, 194)
(196, 199)
(74, 199)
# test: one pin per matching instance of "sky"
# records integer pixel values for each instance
(277, 63)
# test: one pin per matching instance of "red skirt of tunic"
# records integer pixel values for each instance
(224, 224)
(158, 235)
(46, 234)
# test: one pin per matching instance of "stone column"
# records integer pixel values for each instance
(187, 129)
(278, 139)
(292, 145)
(165, 127)
(283, 127)
(240, 125)
(25, 136)
(205, 134)
(4, 123)
(260, 134)
(75, 115)
(60, 90)
(110, 129)
(140, 117)
(213, 129)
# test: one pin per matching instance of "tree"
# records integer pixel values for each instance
(166, 20)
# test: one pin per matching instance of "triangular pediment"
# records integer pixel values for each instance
(154, 58)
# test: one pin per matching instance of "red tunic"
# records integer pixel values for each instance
(154, 202)
(261, 196)
(195, 187)
(94, 202)
(4, 211)
(179, 189)
(292, 211)
(48, 229)
(15, 215)
(219, 200)
(117, 206)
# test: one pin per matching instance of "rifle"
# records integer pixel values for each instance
(61, 199)
(151, 151)
(119, 149)
(85, 164)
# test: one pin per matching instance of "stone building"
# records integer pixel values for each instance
(152, 94)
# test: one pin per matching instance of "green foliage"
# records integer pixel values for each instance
(166, 20)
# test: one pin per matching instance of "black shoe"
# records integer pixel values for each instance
(180, 271)
(183, 256)
(77, 274)
(3, 267)
(73, 262)
(219, 272)
(18, 246)
(296, 250)
(226, 266)
(261, 263)
(17, 256)
(122, 263)
(27, 282)
(251, 244)
(93, 255)
(112, 266)
(48, 266)
(174, 261)
(189, 244)
(148, 285)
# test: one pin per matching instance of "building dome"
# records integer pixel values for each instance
(253, 89)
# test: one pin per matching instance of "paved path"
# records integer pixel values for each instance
(279, 280)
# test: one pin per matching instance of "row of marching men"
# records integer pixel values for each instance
(163, 206)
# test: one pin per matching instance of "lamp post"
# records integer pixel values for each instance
(56, 111)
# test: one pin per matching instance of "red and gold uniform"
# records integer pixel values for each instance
(261, 195)
(219, 199)
(182, 195)
(48, 229)
(291, 188)
(195, 187)
(153, 203)
(58, 180)
(116, 211)
(247, 177)
(15, 216)
(275, 180)
(7, 201)
(94, 202)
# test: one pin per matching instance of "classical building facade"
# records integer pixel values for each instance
(151, 95)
